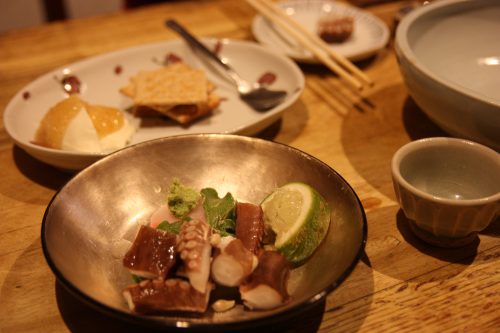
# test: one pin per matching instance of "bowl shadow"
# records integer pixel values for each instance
(417, 124)
(21, 170)
(39, 172)
(349, 305)
(289, 126)
(493, 229)
(26, 290)
(371, 138)
(464, 255)
(394, 250)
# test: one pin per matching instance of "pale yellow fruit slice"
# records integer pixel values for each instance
(300, 217)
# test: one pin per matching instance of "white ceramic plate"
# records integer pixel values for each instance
(370, 34)
(101, 82)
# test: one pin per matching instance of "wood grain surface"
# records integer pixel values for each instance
(400, 285)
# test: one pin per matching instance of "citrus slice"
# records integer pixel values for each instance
(300, 217)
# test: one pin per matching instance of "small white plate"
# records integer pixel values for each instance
(103, 75)
(370, 34)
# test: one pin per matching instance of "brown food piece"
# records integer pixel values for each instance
(152, 254)
(249, 225)
(233, 264)
(183, 114)
(172, 58)
(71, 84)
(266, 287)
(158, 296)
(267, 78)
(335, 29)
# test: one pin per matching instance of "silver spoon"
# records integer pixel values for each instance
(254, 94)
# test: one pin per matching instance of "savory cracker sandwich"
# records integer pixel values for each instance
(177, 91)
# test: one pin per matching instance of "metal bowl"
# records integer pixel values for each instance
(85, 224)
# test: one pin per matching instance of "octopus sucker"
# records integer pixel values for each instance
(250, 225)
(158, 296)
(266, 287)
(195, 248)
(233, 263)
(152, 254)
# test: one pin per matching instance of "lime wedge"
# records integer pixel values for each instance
(300, 217)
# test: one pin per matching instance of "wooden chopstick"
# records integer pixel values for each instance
(321, 43)
(321, 50)
(305, 42)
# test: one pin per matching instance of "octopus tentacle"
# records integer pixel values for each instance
(266, 288)
(233, 263)
(152, 254)
(157, 296)
(195, 251)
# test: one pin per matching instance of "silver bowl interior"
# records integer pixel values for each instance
(89, 221)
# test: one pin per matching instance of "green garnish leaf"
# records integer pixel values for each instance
(174, 228)
(220, 212)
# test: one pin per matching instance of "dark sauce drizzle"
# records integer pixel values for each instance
(70, 83)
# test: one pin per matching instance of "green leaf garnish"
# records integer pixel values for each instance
(174, 228)
(220, 212)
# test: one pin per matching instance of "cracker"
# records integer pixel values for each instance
(170, 87)
(128, 90)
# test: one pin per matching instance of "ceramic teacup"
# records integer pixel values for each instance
(448, 188)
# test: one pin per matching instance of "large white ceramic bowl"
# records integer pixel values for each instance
(449, 56)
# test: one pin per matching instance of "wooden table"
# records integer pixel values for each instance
(400, 285)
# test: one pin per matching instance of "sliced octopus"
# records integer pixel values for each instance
(249, 225)
(158, 296)
(152, 254)
(195, 251)
(232, 263)
(266, 287)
